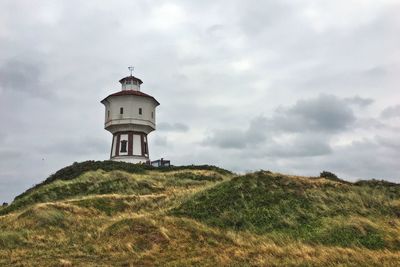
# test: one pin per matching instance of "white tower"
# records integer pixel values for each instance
(130, 116)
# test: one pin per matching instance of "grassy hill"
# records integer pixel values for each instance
(117, 214)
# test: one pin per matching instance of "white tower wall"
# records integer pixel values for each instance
(130, 116)
(131, 106)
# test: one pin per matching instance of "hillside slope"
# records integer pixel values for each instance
(118, 214)
(315, 211)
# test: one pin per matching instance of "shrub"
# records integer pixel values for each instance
(333, 177)
(328, 175)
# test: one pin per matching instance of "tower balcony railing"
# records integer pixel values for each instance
(129, 121)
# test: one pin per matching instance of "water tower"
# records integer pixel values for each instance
(130, 116)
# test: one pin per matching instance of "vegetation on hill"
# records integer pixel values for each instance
(76, 169)
(312, 211)
(112, 214)
(76, 180)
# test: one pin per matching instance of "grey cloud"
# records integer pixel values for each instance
(305, 145)
(172, 127)
(360, 101)
(257, 17)
(215, 30)
(3, 136)
(391, 112)
(371, 123)
(9, 155)
(160, 141)
(10, 184)
(74, 146)
(22, 76)
(326, 113)
(257, 130)
(224, 138)
(369, 159)
(377, 71)
(238, 138)
(361, 159)
(391, 143)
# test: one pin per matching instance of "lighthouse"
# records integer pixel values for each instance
(130, 115)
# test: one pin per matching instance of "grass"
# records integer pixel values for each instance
(44, 217)
(314, 212)
(12, 239)
(355, 231)
(101, 182)
(139, 233)
(201, 217)
(187, 175)
(77, 169)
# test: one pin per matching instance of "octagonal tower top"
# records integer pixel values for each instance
(130, 82)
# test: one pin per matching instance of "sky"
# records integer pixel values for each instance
(295, 87)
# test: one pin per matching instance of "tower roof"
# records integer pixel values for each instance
(130, 78)
(131, 92)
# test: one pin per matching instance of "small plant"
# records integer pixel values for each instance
(333, 177)
(328, 175)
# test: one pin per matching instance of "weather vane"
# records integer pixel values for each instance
(131, 68)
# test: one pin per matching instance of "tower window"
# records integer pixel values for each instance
(121, 110)
(140, 111)
(123, 146)
(145, 145)
(152, 114)
(108, 114)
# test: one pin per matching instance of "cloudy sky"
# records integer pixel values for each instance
(291, 86)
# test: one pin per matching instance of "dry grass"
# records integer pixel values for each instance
(134, 229)
(155, 240)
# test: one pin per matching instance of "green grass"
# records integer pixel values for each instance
(197, 177)
(128, 181)
(76, 169)
(266, 203)
(344, 232)
(90, 183)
